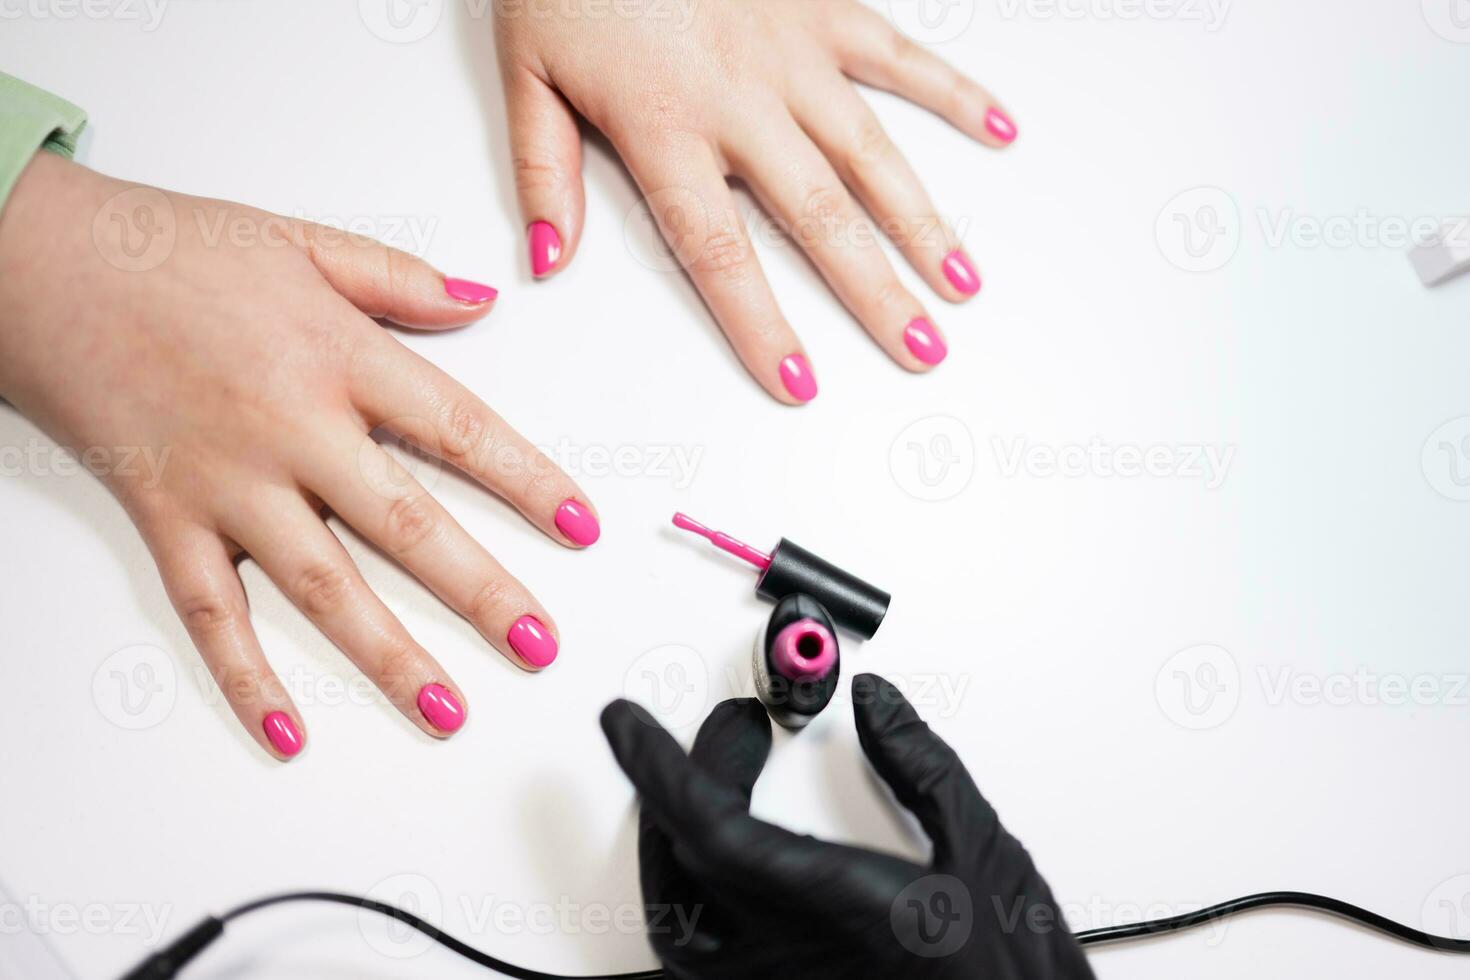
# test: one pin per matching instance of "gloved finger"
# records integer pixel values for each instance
(734, 743)
(718, 839)
(924, 772)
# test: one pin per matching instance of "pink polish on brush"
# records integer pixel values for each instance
(545, 246)
(282, 733)
(468, 291)
(797, 376)
(924, 342)
(960, 272)
(532, 641)
(1000, 125)
(441, 708)
(575, 520)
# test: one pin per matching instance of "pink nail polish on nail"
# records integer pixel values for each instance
(532, 641)
(796, 375)
(999, 125)
(924, 341)
(282, 733)
(575, 521)
(468, 291)
(960, 272)
(441, 708)
(545, 247)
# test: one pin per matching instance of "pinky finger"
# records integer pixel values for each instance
(874, 52)
(206, 592)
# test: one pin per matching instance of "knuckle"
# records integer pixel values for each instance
(321, 589)
(491, 602)
(410, 520)
(207, 615)
(534, 173)
(726, 254)
(824, 204)
(891, 295)
(463, 429)
(871, 147)
(398, 666)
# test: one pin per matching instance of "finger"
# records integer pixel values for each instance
(797, 184)
(847, 132)
(874, 52)
(708, 821)
(734, 743)
(369, 490)
(205, 590)
(547, 151)
(388, 284)
(412, 398)
(304, 558)
(924, 773)
(695, 211)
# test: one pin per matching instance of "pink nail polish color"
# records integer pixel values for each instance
(532, 641)
(960, 272)
(575, 521)
(924, 341)
(545, 247)
(796, 375)
(441, 708)
(281, 732)
(804, 651)
(467, 291)
(999, 125)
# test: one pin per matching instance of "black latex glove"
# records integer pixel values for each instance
(766, 903)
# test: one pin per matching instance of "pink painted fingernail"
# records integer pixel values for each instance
(924, 341)
(545, 247)
(468, 291)
(1000, 125)
(960, 272)
(577, 523)
(282, 733)
(532, 641)
(796, 375)
(441, 708)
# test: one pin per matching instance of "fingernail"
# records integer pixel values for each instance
(441, 708)
(282, 733)
(960, 272)
(577, 523)
(545, 247)
(999, 125)
(924, 341)
(532, 641)
(468, 291)
(796, 375)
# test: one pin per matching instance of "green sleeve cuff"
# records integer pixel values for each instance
(31, 119)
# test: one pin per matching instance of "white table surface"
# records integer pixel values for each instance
(1317, 579)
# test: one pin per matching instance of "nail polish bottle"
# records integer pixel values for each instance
(796, 661)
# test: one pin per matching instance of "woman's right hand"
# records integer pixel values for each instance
(245, 368)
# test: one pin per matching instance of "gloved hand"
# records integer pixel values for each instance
(732, 896)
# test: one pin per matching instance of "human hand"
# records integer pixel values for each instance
(755, 900)
(758, 90)
(245, 368)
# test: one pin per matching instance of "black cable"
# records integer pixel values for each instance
(166, 964)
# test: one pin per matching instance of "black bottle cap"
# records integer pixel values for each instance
(852, 603)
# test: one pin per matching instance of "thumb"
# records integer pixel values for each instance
(389, 284)
(547, 152)
(924, 773)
